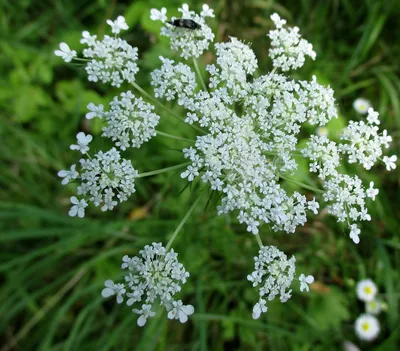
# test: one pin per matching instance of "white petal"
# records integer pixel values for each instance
(107, 292)
(64, 47)
(182, 317)
(141, 321)
(188, 309)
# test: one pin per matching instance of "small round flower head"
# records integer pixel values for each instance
(322, 131)
(113, 60)
(288, 49)
(274, 273)
(361, 105)
(367, 327)
(390, 162)
(236, 60)
(155, 275)
(173, 81)
(362, 142)
(130, 121)
(374, 307)
(118, 25)
(83, 142)
(104, 179)
(366, 290)
(189, 42)
(65, 52)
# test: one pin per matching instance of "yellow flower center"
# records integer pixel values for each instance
(368, 290)
(365, 327)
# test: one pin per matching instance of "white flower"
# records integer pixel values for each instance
(354, 233)
(111, 59)
(390, 162)
(367, 327)
(371, 192)
(78, 207)
(366, 290)
(372, 117)
(180, 311)
(288, 49)
(190, 43)
(363, 143)
(95, 111)
(65, 52)
(153, 277)
(349, 346)
(68, 175)
(207, 12)
(322, 131)
(361, 105)
(374, 307)
(274, 273)
(130, 121)
(144, 313)
(304, 281)
(118, 25)
(113, 289)
(259, 307)
(157, 15)
(83, 142)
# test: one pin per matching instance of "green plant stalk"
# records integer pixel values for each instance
(183, 221)
(162, 170)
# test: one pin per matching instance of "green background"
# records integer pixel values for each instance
(52, 267)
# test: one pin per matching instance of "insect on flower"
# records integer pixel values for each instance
(185, 23)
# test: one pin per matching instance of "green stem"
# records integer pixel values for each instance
(163, 170)
(259, 242)
(305, 186)
(155, 101)
(81, 59)
(174, 137)
(183, 221)
(196, 67)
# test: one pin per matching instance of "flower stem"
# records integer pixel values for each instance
(173, 136)
(305, 186)
(183, 221)
(155, 101)
(196, 67)
(163, 170)
(259, 242)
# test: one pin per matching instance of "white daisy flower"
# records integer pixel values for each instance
(367, 327)
(361, 105)
(366, 290)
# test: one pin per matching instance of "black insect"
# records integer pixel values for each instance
(185, 23)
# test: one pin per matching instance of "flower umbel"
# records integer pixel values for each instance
(154, 276)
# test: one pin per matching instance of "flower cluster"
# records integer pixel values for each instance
(367, 325)
(249, 146)
(106, 178)
(130, 121)
(364, 144)
(173, 81)
(189, 42)
(274, 273)
(154, 276)
(288, 50)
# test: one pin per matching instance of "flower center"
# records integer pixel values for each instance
(365, 327)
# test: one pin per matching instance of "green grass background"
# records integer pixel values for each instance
(52, 267)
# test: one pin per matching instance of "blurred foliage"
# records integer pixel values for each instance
(52, 267)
